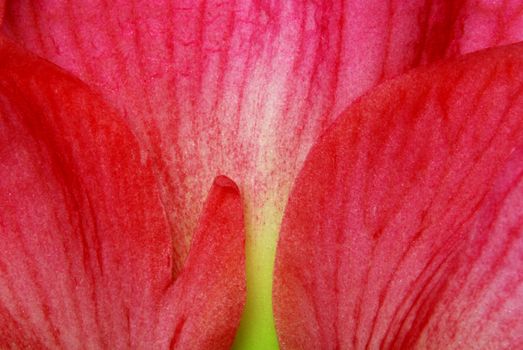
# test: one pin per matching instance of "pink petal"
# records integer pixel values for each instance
(477, 302)
(207, 299)
(86, 255)
(486, 23)
(391, 238)
(244, 87)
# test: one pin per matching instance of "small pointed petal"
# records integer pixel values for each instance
(206, 302)
(387, 204)
(86, 246)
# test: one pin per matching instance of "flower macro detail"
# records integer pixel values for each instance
(260, 174)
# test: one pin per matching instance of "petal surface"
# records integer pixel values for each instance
(243, 88)
(486, 23)
(2, 7)
(477, 302)
(86, 255)
(391, 220)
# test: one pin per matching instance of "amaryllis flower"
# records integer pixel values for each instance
(152, 153)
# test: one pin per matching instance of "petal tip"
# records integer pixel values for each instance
(226, 183)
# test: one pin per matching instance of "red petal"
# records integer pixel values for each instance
(243, 87)
(86, 247)
(386, 204)
(475, 302)
(2, 8)
(207, 300)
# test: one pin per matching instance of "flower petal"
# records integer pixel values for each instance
(86, 246)
(243, 88)
(477, 303)
(207, 299)
(2, 8)
(387, 204)
(229, 87)
(485, 23)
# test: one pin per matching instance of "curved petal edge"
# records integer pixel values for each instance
(380, 234)
(87, 252)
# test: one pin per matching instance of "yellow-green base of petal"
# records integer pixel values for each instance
(257, 331)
